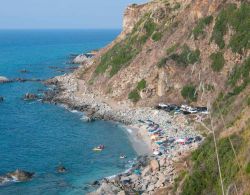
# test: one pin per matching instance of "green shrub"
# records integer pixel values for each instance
(188, 92)
(134, 96)
(123, 52)
(186, 57)
(240, 72)
(218, 61)
(117, 57)
(141, 85)
(157, 36)
(241, 25)
(162, 62)
(209, 87)
(172, 48)
(248, 101)
(248, 168)
(238, 80)
(204, 178)
(177, 6)
(238, 19)
(149, 26)
(199, 29)
(221, 25)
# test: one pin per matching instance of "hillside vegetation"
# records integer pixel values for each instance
(195, 52)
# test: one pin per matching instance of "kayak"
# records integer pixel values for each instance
(97, 149)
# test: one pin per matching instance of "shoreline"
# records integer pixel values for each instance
(155, 169)
(140, 146)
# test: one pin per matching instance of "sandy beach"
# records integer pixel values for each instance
(162, 140)
(139, 139)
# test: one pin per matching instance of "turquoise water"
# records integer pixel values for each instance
(37, 137)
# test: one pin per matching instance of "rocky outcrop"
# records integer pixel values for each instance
(154, 164)
(157, 44)
(158, 60)
(61, 169)
(161, 88)
(81, 59)
(132, 15)
(30, 96)
(23, 80)
(4, 79)
(24, 71)
(21, 175)
(141, 179)
(18, 175)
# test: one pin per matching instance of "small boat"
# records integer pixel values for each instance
(99, 148)
(123, 156)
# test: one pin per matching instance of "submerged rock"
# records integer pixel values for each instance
(61, 169)
(18, 175)
(30, 96)
(4, 179)
(24, 71)
(95, 183)
(22, 80)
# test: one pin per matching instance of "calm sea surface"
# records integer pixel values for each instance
(38, 137)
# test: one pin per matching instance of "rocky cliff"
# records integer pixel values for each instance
(169, 44)
(187, 51)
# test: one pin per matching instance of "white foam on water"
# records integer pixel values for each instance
(129, 130)
(111, 177)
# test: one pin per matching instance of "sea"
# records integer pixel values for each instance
(38, 137)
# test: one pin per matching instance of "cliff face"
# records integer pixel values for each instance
(192, 51)
(186, 51)
(170, 38)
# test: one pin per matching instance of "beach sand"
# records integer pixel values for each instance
(140, 141)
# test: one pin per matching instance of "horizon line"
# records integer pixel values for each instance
(60, 28)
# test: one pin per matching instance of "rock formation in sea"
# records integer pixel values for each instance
(30, 96)
(16, 176)
(4, 79)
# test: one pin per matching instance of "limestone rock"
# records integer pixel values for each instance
(121, 193)
(81, 59)
(151, 187)
(161, 191)
(154, 164)
(134, 177)
(146, 171)
(161, 84)
(107, 188)
(162, 162)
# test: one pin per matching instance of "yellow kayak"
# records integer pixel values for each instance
(97, 149)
